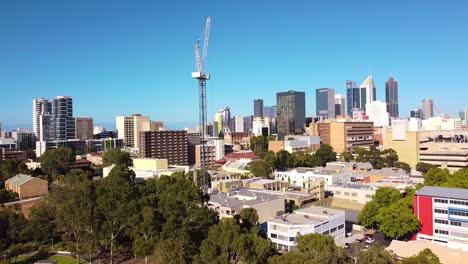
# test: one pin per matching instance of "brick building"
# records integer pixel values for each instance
(165, 144)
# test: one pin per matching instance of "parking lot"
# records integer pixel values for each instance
(357, 246)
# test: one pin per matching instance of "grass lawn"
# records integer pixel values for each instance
(60, 259)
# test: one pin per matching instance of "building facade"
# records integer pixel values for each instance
(64, 123)
(290, 116)
(27, 186)
(84, 128)
(416, 113)
(377, 113)
(344, 135)
(353, 97)
(239, 123)
(391, 96)
(427, 107)
(325, 102)
(129, 128)
(166, 144)
(367, 91)
(283, 230)
(40, 107)
(443, 213)
(258, 108)
(340, 105)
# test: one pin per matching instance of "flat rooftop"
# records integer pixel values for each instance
(450, 193)
(312, 215)
(244, 196)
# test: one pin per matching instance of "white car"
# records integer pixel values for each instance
(370, 240)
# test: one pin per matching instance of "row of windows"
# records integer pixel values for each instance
(459, 213)
(441, 201)
(440, 231)
(439, 221)
(440, 211)
(459, 202)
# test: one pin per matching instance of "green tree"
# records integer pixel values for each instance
(436, 177)
(9, 168)
(424, 167)
(116, 204)
(346, 157)
(259, 145)
(292, 257)
(321, 249)
(403, 165)
(145, 232)
(31, 154)
(7, 195)
(374, 255)
(42, 226)
(424, 257)
(458, 180)
(259, 168)
(254, 249)
(368, 214)
(116, 156)
(169, 251)
(249, 217)
(12, 224)
(55, 162)
(362, 155)
(326, 154)
(270, 160)
(390, 157)
(221, 243)
(397, 221)
(385, 196)
(282, 158)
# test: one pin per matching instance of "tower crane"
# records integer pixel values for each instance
(202, 77)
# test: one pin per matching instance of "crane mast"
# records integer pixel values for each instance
(202, 78)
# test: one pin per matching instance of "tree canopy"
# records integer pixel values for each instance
(55, 162)
(116, 156)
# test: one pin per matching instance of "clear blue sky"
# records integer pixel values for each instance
(122, 57)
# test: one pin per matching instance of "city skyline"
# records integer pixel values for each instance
(119, 64)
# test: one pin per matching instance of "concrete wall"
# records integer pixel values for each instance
(407, 150)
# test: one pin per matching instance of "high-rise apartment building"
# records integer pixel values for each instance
(24, 139)
(340, 107)
(64, 123)
(40, 107)
(258, 108)
(325, 102)
(165, 144)
(225, 119)
(416, 113)
(367, 91)
(239, 123)
(427, 108)
(290, 116)
(353, 97)
(391, 96)
(84, 128)
(129, 128)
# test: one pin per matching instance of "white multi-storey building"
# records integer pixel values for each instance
(443, 213)
(283, 230)
(302, 177)
(377, 113)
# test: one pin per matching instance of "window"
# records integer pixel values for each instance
(326, 232)
(440, 211)
(354, 194)
(458, 213)
(340, 227)
(346, 193)
(459, 202)
(273, 235)
(441, 232)
(338, 193)
(292, 239)
(368, 196)
(333, 230)
(439, 221)
(455, 223)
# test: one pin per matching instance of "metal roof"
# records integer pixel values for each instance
(19, 179)
(451, 193)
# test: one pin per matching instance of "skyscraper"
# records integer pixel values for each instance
(226, 119)
(340, 105)
(391, 96)
(367, 91)
(239, 123)
(64, 123)
(290, 115)
(219, 123)
(40, 107)
(248, 123)
(258, 108)
(269, 111)
(427, 108)
(353, 97)
(325, 102)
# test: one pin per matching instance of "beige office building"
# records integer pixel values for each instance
(129, 128)
(344, 135)
(84, 128)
